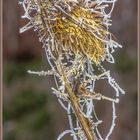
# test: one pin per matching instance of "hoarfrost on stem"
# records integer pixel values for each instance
(76, 40)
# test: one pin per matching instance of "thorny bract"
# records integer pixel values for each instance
(76, 41)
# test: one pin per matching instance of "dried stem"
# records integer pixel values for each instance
(76, 39)
(84, 122)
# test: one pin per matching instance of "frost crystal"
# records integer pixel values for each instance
(76, 41)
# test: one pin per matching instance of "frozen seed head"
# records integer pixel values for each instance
(72, 25)
(74, 34)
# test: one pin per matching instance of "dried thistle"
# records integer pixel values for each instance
(75, 37)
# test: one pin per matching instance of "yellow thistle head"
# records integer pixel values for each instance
(74, 27)
(74, 34)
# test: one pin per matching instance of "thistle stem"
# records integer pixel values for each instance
(84, 122)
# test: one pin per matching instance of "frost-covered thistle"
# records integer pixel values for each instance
(76, 40)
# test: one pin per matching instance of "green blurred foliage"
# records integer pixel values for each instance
(125, 64)
(24, 102)
(13, 71)
(28, 111)
(41, 118)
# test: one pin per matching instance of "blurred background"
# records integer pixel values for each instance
(30, 110)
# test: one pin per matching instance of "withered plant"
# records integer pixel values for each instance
(76, 39)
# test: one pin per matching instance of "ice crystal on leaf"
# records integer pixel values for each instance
(76, 39)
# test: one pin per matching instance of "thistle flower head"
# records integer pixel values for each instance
(80, 27)
(75, 36)
(76, 28)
